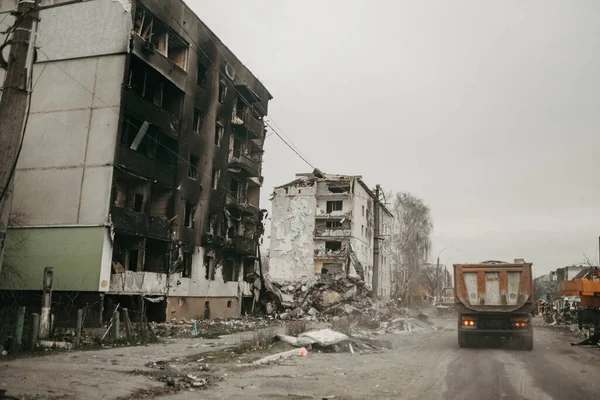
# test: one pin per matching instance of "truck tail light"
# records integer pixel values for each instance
(469, 322)
(519, 322)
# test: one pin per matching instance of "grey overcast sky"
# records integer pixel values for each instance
(488, 110)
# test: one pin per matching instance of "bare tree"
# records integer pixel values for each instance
(429, 279)
(411, 241)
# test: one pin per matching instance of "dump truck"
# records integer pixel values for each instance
(494, 299)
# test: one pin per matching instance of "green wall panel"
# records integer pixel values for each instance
(75, 253)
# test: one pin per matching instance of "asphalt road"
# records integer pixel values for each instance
(421, 366)
(427, 366)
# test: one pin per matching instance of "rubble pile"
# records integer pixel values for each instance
(331, 295)
(209, 328)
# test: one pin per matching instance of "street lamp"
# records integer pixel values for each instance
(437, 280)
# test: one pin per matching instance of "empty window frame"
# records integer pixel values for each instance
(197, 121)
(219, 134)
(160, 37)
(333, 224)
(222, 91)
(334, 205)
(201, 73)
(193, 169)
(190, 210)
(216, 175)
(151, 85)
(333, 246)
(138, 202)
(187, 265)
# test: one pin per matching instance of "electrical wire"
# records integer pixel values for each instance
(294, 148)
(186, 162)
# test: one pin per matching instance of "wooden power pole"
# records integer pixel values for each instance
(376, 238)
(14, 103)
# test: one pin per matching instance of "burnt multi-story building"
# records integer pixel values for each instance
(141, 167)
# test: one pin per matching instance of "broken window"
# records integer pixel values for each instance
(196, 124)
(155, 259)
(216, 175)
(334, 205)
(339, 188)
(187, 265)
(159, 37)
(154, 144)
(363, 211)
(172, 99)
(209, 267)
(222, 91)
(333, 224)
(230, 270)
(151, 85)
(228, 303)
(218, 134)
(193, 169)
(362, 230)
(237, 147)
(190, 210)
(201, 73)
(138, 202)
(333, 246)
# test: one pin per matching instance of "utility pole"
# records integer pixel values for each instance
(376, 237)
(14, 104)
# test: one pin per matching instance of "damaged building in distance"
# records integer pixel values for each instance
(326, 223)
(140, 172)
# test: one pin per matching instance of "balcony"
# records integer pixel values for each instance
(324, 254)
(332, 233)
(241, 245)
(143, 166)
(244, 123)
(127, 220)
(244, 162)
(334, 215)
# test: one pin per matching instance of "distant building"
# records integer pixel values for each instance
(323, 222)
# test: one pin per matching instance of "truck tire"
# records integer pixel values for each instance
(463, 340)
(527, 342)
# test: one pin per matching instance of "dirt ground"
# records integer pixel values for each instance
(420, 366)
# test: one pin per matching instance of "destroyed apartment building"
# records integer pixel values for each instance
(140, 172)
(326, 223)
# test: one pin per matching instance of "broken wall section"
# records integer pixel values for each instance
(292, 226)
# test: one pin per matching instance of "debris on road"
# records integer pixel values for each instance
(279, 356)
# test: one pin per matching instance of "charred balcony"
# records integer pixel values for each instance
(241, 245)
(244, 162)
(136, 223)
(245, 123)
(148, 152)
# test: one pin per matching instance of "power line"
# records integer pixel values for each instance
(186, 162)
(294, 148)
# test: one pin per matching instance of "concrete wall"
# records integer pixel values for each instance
(292, 226)
(71, 134)
(362, 229)
(198, 285)
(193, 307)
(75, 254)
(138, 282)
(64, 173)
(385, 257)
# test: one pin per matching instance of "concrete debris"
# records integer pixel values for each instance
(332, 294)
(279, 356)
(211, 328)
(330, 341)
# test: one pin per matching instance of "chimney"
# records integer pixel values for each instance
(519, 261)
